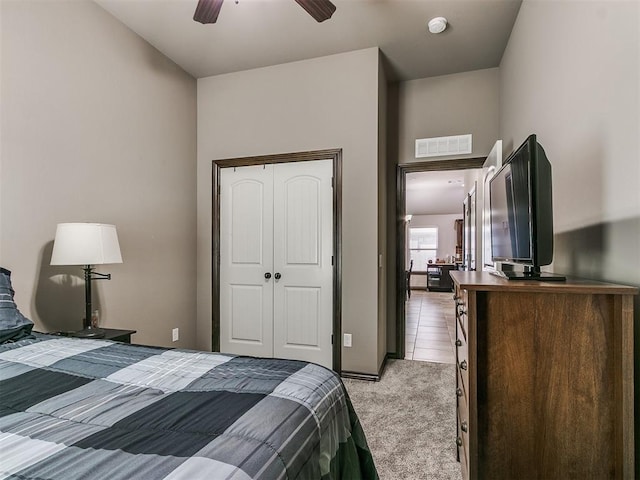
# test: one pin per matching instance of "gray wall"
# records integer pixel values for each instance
(449, 105)
(386, 288)
(434, 107)
(577, 87)
(392, 139)
(96, 126)
(571, 74)
(328, 102)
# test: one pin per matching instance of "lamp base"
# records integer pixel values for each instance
(89, 333)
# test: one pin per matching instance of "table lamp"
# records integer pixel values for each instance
(87, 244)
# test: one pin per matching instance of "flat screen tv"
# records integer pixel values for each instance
(522, 213)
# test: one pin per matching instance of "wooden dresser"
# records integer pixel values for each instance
(545, 378)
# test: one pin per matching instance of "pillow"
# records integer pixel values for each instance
(13, 325)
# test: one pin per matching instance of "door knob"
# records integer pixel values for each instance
(267, 275)
(278, 276)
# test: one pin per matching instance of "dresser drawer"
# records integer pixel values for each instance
(522, 398)
(462, 441)
(461, 305)
(462, 358)
(464, 464)
(463, 399)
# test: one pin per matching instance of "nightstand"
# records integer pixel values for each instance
(117, 335)
(114, 334)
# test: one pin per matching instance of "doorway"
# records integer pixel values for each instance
(402, 231)
(261, 321)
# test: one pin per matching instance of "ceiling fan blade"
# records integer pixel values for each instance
(321, 10)
(207, 11)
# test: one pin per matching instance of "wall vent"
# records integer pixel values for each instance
(442, 146)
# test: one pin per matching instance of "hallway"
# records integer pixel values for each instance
(430, 327)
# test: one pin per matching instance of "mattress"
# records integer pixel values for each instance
(77, 408)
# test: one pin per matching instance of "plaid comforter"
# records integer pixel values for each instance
(75, 408)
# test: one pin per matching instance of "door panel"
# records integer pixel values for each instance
(247, 225)
(302, 316)
(469, 223)
(247, 316)
(246, 254)
(303, 296)
(302, 220)
(277, 219)
(490, 167)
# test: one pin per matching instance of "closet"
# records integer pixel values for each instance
(276, 248)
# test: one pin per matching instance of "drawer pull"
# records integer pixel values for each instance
(459, 441)
(464, 427)
(458, 392)
(458, 343)
(463, 364)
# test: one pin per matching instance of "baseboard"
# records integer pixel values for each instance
(370, 377)
(383, 366)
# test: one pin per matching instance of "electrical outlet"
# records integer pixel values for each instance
(175, 334)
(347, 340)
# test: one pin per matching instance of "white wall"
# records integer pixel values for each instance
(96, 126)
(328, 102)
(446, 233)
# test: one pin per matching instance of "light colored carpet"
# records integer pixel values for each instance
(409, 419)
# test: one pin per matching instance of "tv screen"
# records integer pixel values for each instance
(522, 211)
(511, 238)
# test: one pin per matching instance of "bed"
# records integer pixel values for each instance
(76, 408)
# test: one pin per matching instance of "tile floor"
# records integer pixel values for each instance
(430, 327)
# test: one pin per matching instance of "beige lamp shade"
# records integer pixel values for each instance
(85, 244)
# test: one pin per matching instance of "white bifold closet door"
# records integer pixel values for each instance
(276, 274)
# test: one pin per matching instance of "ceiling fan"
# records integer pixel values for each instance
(207, 10)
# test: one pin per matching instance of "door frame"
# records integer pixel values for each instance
(401, 184)
(331, 154)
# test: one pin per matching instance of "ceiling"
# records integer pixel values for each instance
(257, 33)
(435, 192)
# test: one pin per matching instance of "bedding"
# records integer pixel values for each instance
(77, 408)
(13, 325)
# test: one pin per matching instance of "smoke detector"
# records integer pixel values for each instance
(437, 25)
